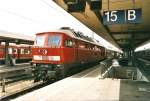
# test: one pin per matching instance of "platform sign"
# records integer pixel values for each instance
(122, 16)
(134, 16)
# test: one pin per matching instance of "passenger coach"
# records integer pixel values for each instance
(21, 53)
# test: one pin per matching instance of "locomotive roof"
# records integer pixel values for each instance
(75, 35)
(67, 32)
(79, 36)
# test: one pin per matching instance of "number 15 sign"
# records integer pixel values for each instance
(122, 16)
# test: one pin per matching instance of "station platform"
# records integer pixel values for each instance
(16, 65)
(18, 69)
(89, 86)
(14, 71)
(21, 66)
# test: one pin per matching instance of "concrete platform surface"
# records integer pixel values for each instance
(85, 86)
(134, 91)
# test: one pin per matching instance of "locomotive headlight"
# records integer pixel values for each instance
(51, 58)
(37, 57)
(54, 58)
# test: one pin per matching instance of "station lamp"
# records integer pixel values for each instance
(95, 4)
(75, 5)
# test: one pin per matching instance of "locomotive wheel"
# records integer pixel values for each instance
(37, 78)
(57, 74)
(45, 77)
(60, 72)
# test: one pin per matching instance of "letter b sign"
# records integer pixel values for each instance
(133, 16)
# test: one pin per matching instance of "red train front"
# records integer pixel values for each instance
(56, 52)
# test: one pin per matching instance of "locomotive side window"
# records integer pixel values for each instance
(54, 40)
(82, 45)
(69, 43)
(40, 40)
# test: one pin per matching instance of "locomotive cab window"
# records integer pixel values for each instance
(69, 43)
(54, 40)
(40, 40)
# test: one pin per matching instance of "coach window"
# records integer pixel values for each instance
(69, 43)
(26, 51)
(14, 51)
(9, 50)
(22, 51)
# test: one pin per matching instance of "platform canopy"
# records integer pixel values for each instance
(16, 38)
(125, 36)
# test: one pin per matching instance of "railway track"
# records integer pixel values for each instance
(16, 79)
(18, 85)
(22, 87)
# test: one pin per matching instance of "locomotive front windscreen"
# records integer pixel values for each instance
(40, 40)
(54, 40)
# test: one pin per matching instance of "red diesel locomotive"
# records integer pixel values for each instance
(54, 53)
